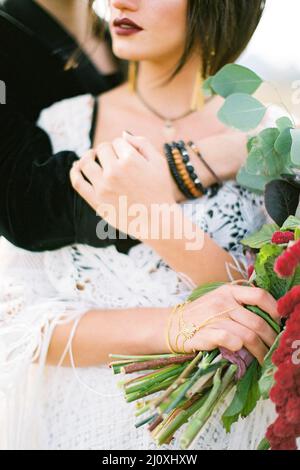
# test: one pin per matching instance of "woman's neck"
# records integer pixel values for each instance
(72, 14)
(175, 97)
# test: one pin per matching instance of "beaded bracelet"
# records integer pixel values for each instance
(216, 186)
(189, 167)
(175, 173)
(183, 171)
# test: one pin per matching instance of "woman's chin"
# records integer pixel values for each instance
(126, 53)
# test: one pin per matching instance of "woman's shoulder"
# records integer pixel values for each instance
(68, 123)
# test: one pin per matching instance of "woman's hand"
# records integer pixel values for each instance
(130, 180)
(234, 329)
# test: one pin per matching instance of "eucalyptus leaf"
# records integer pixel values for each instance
(251, 143)
(255, 183)
(242, 112)
(283, 143)
(284, 123)
(272, 163)
(295, 150)
(234, 78)
(255, 163)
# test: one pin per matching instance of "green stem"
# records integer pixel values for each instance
(153, 379)
(182, 417)
(219, 387)
(156, 388)
(202, 371)
(181, 379)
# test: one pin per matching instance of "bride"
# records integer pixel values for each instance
(62, 312)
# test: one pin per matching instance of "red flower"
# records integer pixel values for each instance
(287, 304)
(292, 412)
(279, 238)
(282, 434)
(287, 263)
(284, 377)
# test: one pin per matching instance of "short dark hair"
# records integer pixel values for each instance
(222, 28)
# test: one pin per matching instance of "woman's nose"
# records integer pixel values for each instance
(125, 4)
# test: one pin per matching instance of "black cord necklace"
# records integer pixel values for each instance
(169, 129)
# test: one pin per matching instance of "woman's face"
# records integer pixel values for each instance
(161, 33)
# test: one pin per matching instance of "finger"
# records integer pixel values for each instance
(125, 149)
(256, 297)
(89, 168)
(82, 187)
(254, 323)
(251, 341)
(106, 155)
(209, 339)
(142, 145)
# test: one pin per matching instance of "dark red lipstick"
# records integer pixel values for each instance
(126, 27)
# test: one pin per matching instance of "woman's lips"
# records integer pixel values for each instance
(125, 27)
(126, 31)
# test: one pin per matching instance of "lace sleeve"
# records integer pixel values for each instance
(229, 217)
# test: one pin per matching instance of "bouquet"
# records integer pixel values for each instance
(189, 388)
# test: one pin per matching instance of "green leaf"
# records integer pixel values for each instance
(297, 233)
(251, 142)
(284, 123)
(255, 162)
(242, 112)
(295, 281)
(271, 164)
(233, 78)
(267, 381)
(204, 289)
(283, 144)
(266, 278)
(255, 183)
(245, 398)
(265, 316)
(291, 223)
(259, 239)
(295, 151)
(281, 200)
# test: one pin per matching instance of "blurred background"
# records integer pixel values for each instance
(274, 52)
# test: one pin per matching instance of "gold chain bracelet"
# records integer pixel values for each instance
(189, 330)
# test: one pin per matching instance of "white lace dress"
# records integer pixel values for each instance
(44, 407)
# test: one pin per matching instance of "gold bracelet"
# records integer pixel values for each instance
(188, 331)
(169, 328)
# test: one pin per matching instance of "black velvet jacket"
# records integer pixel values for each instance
(39, 210)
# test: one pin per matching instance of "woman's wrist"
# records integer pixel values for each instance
(155, 335)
